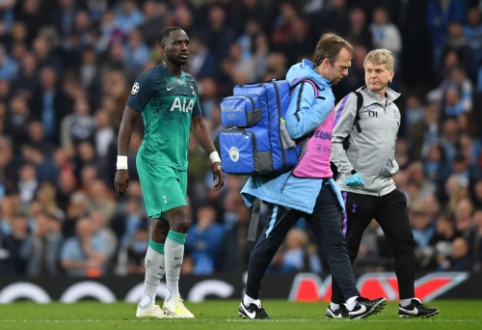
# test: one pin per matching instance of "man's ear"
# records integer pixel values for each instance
(325, 63)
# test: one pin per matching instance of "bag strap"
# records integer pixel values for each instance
(345, 143)
(359, 106)
(300, 80)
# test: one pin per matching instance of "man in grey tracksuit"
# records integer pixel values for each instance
(363, 155)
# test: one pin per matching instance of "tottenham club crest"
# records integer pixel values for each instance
(135, 88)
(234, 154)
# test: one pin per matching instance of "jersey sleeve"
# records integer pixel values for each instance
(197, 108)
(142, 91)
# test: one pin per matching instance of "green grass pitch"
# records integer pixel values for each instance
(464, 315)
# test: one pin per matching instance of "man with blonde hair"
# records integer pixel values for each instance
(365, 132)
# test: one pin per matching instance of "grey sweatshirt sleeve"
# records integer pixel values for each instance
(345, 113)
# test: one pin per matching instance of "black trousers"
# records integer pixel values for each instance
(325, 224)
(390, 211)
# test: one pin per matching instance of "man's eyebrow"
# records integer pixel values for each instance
(180, 39)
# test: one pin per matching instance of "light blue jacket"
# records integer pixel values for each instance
(304, 114)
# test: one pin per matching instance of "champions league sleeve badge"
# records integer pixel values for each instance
(135, 88)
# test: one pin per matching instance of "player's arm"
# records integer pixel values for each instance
(140, 95)
(129, 117)
(345, 112)
(201, 133)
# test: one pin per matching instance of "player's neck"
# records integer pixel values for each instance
(172, 68)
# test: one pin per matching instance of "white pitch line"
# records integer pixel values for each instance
(240, 320)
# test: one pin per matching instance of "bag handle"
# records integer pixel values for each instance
(259, 84)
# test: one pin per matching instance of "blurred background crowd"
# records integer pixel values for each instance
(66, 69)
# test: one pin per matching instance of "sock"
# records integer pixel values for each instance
(174, 251)
(154, 263)
(334, 307)
(405, 302)
(351, 303)
(247, 300)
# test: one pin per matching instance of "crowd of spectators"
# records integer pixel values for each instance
(66, 68)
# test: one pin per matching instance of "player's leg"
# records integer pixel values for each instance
(176, 211)
(394, 220)
(354, 221)
(154, 261)
(325, 224)
(279, 221)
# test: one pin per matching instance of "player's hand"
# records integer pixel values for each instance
(121, 181)
(218, 176)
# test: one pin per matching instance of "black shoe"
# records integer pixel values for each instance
(340, 313)
(365, 307)
(416, 309)
(252, 311)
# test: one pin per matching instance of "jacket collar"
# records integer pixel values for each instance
(309, 72)
(390, 95)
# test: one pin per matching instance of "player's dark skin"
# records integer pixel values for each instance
(175, 51)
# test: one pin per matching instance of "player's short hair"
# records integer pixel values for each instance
(166, 33)
(380, 56)
(328, 47)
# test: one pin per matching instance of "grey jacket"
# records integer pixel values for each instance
(372, 152)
